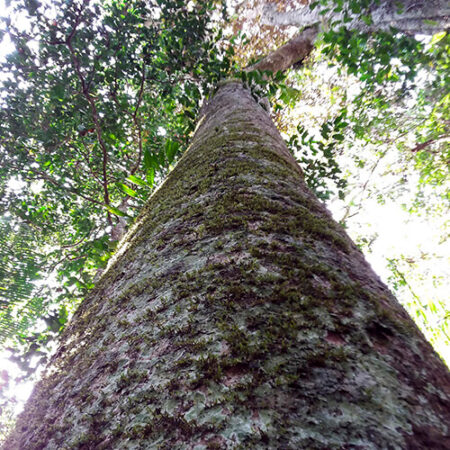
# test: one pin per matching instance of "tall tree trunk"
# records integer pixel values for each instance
(237, 313)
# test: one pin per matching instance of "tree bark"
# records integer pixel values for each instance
(238, 314)
(294, 51)
(408, 16)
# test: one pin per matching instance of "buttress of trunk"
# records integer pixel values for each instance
(238, 314)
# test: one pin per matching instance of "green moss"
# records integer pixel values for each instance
(131, 377)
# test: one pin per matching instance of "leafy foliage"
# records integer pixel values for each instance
(99, 99)
(404, 87)
(400, 111)
(318, 158)
(19, 267)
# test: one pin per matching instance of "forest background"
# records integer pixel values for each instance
(99, 100)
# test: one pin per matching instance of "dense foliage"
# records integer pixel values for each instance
(397, 112)
(98, 100)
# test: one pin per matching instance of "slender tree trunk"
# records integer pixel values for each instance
(238, 314)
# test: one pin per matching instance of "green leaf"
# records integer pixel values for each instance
(116, 211)
(438, 37)
(150, 176)
(171, 149)
(136, 180)
(127, 190)
(58, 91)
(292, 93)
(367, 19)
(149, 159)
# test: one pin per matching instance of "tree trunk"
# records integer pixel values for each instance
(238, 314)
(408, 16)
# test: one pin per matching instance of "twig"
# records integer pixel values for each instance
(425, 144)
(137, 123)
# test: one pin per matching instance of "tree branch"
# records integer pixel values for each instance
(294, 51)
(95, 118)
(425, 144)
(414, 18)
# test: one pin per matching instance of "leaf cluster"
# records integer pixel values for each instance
(98, 101)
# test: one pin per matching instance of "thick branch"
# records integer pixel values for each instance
(297, 49)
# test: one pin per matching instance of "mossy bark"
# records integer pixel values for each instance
(238, 314)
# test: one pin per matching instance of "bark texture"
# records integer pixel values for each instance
(408, 16)
(238, 314)
(294, 51)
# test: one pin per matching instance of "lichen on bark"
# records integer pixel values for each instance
(238, 314)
